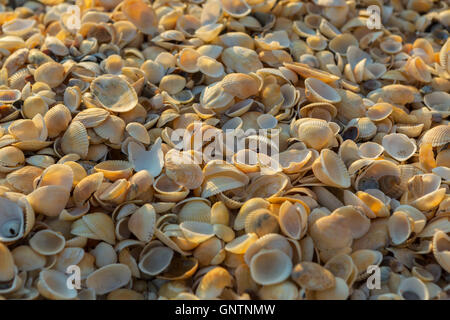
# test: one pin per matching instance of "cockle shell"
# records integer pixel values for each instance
(108, 278)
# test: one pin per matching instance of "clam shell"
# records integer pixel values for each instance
(399, 146)
(7, 266)
(339, 292)
(312, 276)
(109, 278)
(114, 93)
(12, 221)
(52, 285)
(413, 289)
(331, 170)
(156, 260)
(441, 250)
(270, 267)
(75, 140)
(437, 136)
(400, 227)
(261, 222)
(318, 91)
(47, 242)
(142, 222)
(213, 283)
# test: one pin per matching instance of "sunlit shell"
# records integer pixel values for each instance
(318, 91)
(331, 170)
(95, 226)
(213, 283)
(339, 292)
(142, 222)
(49, 200)
(115, 169)
(240, 85)
(141, 15)
(312, 276)
(399, 227)
(437, 136)
(114, 93)
(51, 73)
(261, 222)
(399, 146)
(240, 59)
(182, 168)
(365, 258)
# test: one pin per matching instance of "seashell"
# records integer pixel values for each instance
(75, 140)
(318, 91)
(342, 42)
(312, 276)
(104, 254)
(183, 169)
(52, 285)
(379, 111)
(114, 93)
(51, 73)
(240, 59)
(194, 209)
(331, 170)
(168, 190)
(141, 15)
(283, 291)
(292, 220)
(240, 244)
(209, 32)
(47, 242)
(96, 225)
(342, 266)
(156, 260)
(220, 177)
(391, 46)
(49, 200)
(142, 222)
(197, 232)
(236, 9)
(399, 146)
(339, 292)
(437, 136)
(440, 249)
(210, 67)
(115, 169)
(270, 267)
(172, 83)
(7, 266)
(108, 278)
(370, 150)
(213, 283)
(400, 227)
(240, 85)
(363, 259)
(261, 222)
(26, 259)
(413, 289)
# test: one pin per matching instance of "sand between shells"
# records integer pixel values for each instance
(90, 175)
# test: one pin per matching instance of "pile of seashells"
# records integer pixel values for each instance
(91, 176)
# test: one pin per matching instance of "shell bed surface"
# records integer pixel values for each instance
(353, 96)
